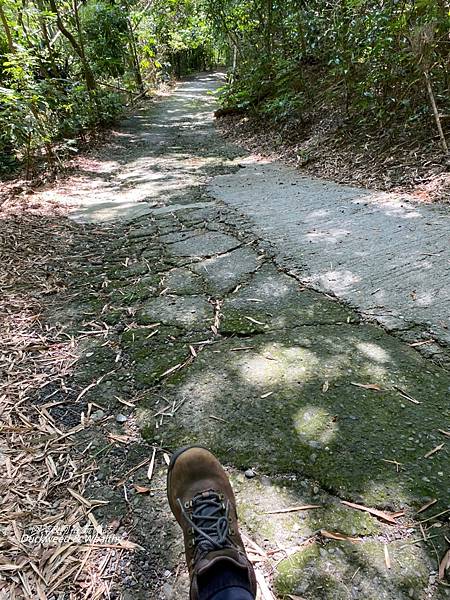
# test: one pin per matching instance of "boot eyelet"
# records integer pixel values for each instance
(187, 504)
(221, 496)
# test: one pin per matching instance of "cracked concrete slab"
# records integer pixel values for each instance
(181, 311)
(182, 281)
(293, 403)
(223, 273)
(331, 572)
(205, 244)
(387, 256)
(272, 300)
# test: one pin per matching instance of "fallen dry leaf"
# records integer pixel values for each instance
(238, 348)
(140, 489)
(406, 395)
(254, 546)
(415, 344)
(79, 497)
(123, 439)
(151, 466)
(334, 535)
(444, 564)
(389, 518)
(367, 386)
(171, 370)
(253, 320)
(264, 589)
(266, 395)
(387, 558)
(325, 386)
(9, 567)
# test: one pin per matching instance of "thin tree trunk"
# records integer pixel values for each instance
(135, 57)
(9, 39)
(87, 72)
(435, 112)
(55, 70)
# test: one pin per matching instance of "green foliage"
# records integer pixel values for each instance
(367, 57)
(67, 68)
(106, 37)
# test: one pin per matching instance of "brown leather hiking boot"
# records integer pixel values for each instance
(203, 503)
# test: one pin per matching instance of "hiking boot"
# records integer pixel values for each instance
(203, 503)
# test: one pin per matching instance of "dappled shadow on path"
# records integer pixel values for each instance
(294, 407)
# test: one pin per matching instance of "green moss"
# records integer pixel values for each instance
(140, 346)
(133, 293)
(348, 570)
(256, 523)
(233, 321)
(132, 270)
(149, 369)
(338, 517)
(289, 570)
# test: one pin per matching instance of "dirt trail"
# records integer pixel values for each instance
(200, 337)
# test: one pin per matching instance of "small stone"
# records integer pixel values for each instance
(167, 590)
(97, 415)
(120, 418)
(314, 444)
(250, 473)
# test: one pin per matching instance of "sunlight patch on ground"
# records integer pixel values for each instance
(315, 424)
(374, 352)
(338, 281)
(276, 364)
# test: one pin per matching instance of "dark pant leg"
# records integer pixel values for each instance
(225, 581)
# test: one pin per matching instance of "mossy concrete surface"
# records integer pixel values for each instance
(272, 300)
(293, 403)
(352, 570)
(190, 333)
(224, 272)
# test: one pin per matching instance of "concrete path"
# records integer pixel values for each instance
(384, 255)
(200, 337)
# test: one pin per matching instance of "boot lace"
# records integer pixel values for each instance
(208, 520)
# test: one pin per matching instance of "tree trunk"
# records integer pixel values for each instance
(55, 70)
(9, 39)
(135, 57)
(435, 112)
(87, 72)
